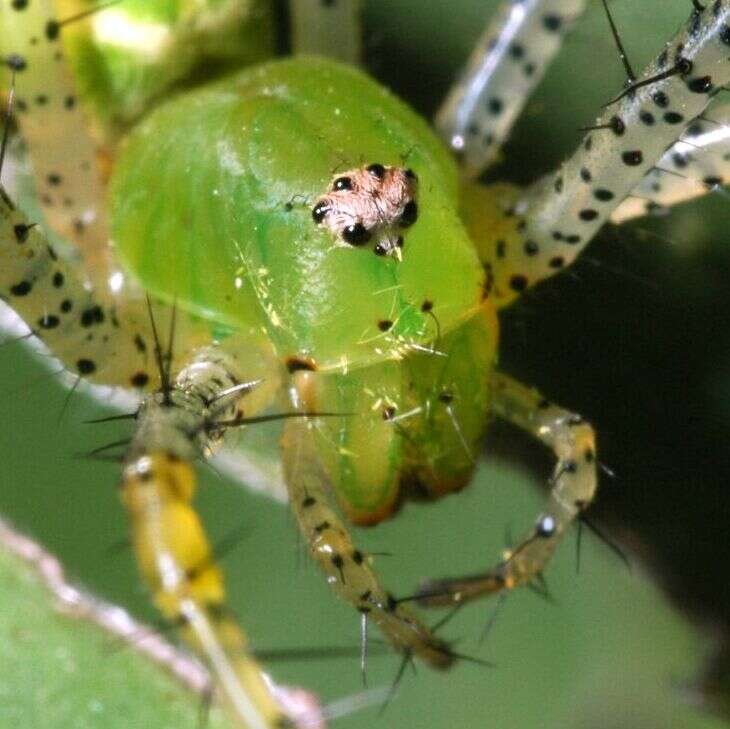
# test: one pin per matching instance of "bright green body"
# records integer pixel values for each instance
(211, 206)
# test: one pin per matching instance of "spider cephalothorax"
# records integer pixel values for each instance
(376, 202)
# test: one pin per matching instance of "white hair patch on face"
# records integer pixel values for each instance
(376, 202)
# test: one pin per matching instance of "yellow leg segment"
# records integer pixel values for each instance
(177, 563)
(574, 486)
(348, 570)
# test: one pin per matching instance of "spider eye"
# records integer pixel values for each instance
(342, 183)
(409, 214)
(411, 175)
(356, 234)
(376, 170)
(380, 250)
(319, 212)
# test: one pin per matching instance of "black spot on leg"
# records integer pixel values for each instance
(49, 321)
(384, 325)
(660, 99)
(589, 455)
(557, 262)
(725, 34)
(308, 502)
(603, 195)
(552, 22)
(632, 158)
(19, 4)
(92, 315)
(357, 557)
(558, 185)
(339, 563)
(588, 214)
(518, 283)
(701, 85)
(21, 289)
(57, 279)
(531, 248)
(427, 306)
(501, 248)
(495, 106)
(139, 344)
(53, 30)
(618, 126)
(69, 102)
(673, 117)
(139, 379)
(585, 174)
(321, 527)
(41, 99)
(85, 367)
(66, 306)
(21, 232)
(647, 118)
(54, 179)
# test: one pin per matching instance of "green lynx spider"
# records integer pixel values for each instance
(282, 310)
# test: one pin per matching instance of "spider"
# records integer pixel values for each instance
(386, 401)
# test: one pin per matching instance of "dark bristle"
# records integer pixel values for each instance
(607, 541)
(619, 45)
(8, 119)
(678, 68)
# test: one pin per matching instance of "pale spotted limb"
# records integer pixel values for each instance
(509, 61)
(349, 571)
(176, 425)
(698, 164)
(559, 215)
(105, 343)
(573, 488)
(65, 162)
(327, 28)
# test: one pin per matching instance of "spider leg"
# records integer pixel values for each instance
(349, 572)
(328, 28)
(63, 154)
(509, 61)
(546, 228)
(573, 488)
(175, 426)
(695, 165)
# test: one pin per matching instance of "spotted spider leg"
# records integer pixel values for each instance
(507, 64)
(348, 570)
(573, 488)
(560, 214)
(327, 27)
(63, 155)
(696, 165)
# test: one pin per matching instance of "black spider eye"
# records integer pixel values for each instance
(320, 210)
(411, 175)
(356, 234)
(409, 214)
(399, 242)
(380, 250)
(377, 170)
(342, 183)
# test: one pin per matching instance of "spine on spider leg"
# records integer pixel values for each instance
(63, 155)
(696, 165)
(562, 213)
(173, 553)
(327, 28)
(509, 61)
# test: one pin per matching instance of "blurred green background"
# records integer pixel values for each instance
(635, 337)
